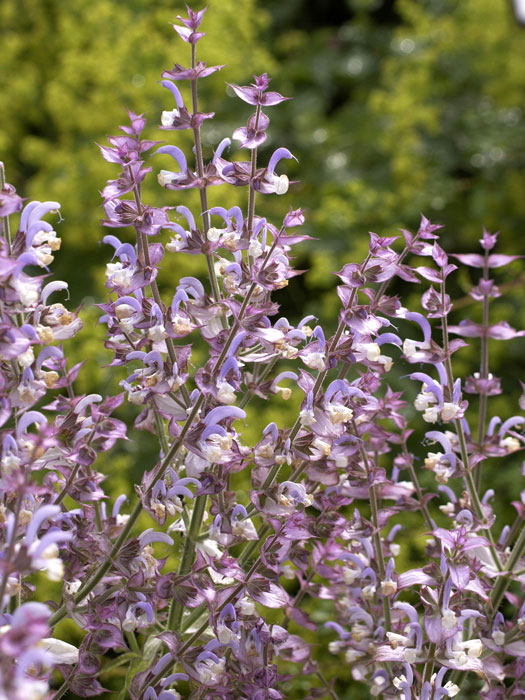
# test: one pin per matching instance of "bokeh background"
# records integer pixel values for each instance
(400, 107)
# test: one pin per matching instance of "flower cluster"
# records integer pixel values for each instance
(310, 515)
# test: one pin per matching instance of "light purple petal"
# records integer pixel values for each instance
(174, 91)
(176, 154)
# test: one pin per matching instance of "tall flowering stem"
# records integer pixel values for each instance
(200, 170)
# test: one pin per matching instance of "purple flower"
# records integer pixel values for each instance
(255, 94)
(10, 202)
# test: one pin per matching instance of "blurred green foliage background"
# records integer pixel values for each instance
(399, 107)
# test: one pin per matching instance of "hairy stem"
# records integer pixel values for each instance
(176, 608)
(503, 581)
(484, 370)
(11, 548)
(5, 219)
(469, 481)
(374, 510)
(216, 292)
(90, 584)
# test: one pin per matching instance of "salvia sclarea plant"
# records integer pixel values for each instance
(225, 616)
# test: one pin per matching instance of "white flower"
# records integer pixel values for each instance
(225, 393)
(377, 686)
(132, 621)
(255, 248)
(281, 184)
(472, 647)
(338, 413)
(157, 333)
(398, 681)
(351, 655)
(449, 411)
(213, 234)
(265, 451)
(368, 592)
(499, 637)
(246, 606)
(386, 361)
(448, 619)
(224, 634)
(335, 646)
(181, 325)
(119, 275)
(178, 526)
(209, 549)
(410, 347)
(210, 671)
(424, 400)
(410, 656)
(174, 244)
(244, 529)
(166, 177)
(167, 117)
(350, 575)
(395, 640)
(59, 651)
(511, 444)
(30, 688)
(448, 509)
(314, 360)
(26, 358)
(452, 689)
(216, 447)
(432, 460)
(341, 461)
(9, 463)
(72, 587)
(452, 437)
(307, 417)
(388, 587)
(370, 350)
(49, 561)
(322, 446)
(431, 414)
(137, 396)
(28, 293)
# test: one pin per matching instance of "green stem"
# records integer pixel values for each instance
(216, 292)
(5, 219)
(90, 584)
(424, 508)
(374, 510)
(132, 640)
(68, 483)
(176, 608)
(469, 481)
(63, 689)
(484, 370)
(518, 524)
(251, 189)
(143, 249)
(333, 346)
(504, 581)
(197, 634)
(11, 547)
(323, 680)
(429, 664)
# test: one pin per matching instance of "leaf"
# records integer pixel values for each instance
(141, 664)
(429, 274)
(268, 594)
